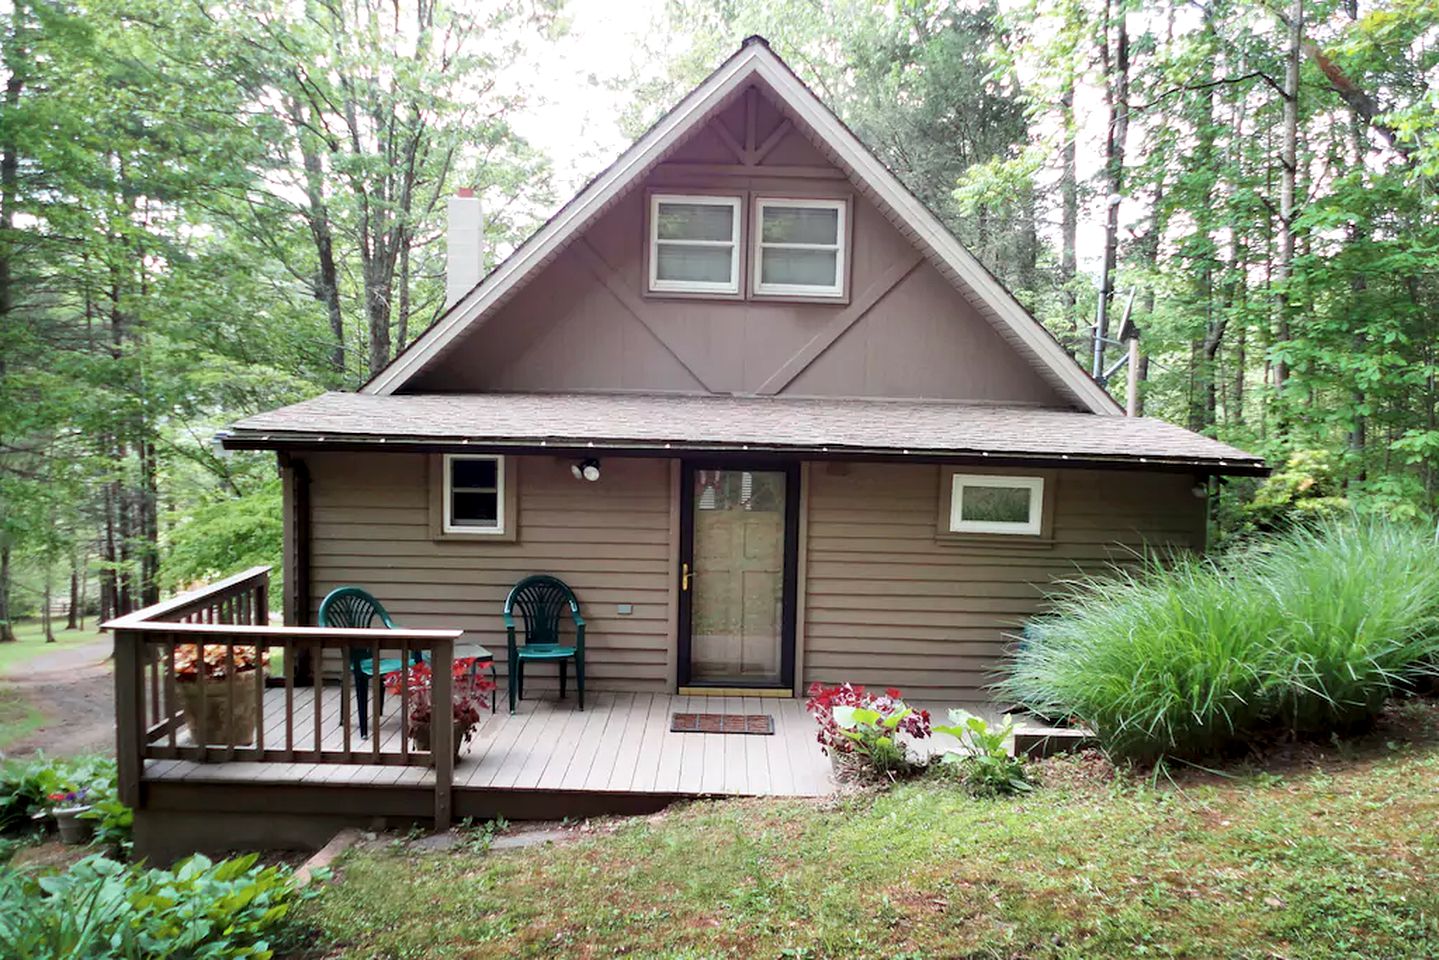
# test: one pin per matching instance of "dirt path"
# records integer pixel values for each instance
(75, 691)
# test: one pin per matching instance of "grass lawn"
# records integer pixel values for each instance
(18, 718)
(1326, 853)
(30, 643)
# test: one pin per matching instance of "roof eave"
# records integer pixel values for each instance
(560, 446)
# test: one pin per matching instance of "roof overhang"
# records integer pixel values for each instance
(755, 60)
(733, 427)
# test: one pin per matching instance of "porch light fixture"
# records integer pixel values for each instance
(586, 470)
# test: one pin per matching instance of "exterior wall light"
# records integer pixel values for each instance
(586, 470)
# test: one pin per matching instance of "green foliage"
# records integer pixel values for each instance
(1306, 487)
(875, 736)
(101, 908)
(1309, 632)
(226, 535)
(984, 763)
(26, 785)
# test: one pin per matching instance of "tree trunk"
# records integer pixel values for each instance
(47, 619)
(402, 334)
(72, 621)
(1069, 224)
(7, 624)
(1115, 58)
(317, 217)
(1288, 173)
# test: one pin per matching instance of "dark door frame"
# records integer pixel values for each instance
(789, 581)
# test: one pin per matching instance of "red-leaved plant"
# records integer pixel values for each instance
(833, 738)
(468, 695)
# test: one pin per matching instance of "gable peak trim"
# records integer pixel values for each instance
(755, 58)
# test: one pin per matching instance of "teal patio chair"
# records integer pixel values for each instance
(539, 601)
(351, 607)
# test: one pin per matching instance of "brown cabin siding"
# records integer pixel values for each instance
(585, 322)
(890, 604)
(886, 601)
(609, 540)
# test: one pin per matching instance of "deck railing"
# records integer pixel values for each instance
(170, 706)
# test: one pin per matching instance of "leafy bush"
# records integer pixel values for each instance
(984, 763)
(1310, 631)
(1306, 487)
(25, 789)
(101, 908)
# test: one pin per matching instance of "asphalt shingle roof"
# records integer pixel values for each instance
(661, 421)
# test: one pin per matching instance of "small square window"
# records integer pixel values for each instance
(799, 247)
(694, 244)
(983, 503)
(474, 495)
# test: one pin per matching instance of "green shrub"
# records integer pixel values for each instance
(1311, 630)
(101, 908)
(25, 785)
(984, 763)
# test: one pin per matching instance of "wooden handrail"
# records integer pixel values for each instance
(338, 636)
(193, 600)
(233, 614)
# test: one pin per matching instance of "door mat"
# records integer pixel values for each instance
(756, 723)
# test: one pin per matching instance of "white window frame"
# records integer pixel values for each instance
(839, 247)
(1032, 527)
(731, 287)
(449, 525)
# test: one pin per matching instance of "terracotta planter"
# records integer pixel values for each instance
(222, 722)
(420, 738)
(73, 830)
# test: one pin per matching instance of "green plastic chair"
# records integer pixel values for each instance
(352, 607)
(539, 600)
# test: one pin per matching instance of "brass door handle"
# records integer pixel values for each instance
(684, 576)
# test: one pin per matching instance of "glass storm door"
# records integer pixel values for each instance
(737, 576)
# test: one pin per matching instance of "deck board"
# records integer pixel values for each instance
(620, 746)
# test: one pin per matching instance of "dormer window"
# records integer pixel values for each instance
(694, 244)
(799, 247)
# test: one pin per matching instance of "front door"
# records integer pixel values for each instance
(737, 574)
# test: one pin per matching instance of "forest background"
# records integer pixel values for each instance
(208, 210)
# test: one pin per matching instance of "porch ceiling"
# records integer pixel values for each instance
(650, 423)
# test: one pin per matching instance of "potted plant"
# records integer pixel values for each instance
(468, 696)
(68, 807)
(861, 731)
(226, 719)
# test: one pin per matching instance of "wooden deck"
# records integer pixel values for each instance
(620, 745)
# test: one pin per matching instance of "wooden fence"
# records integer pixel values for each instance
(170, 706)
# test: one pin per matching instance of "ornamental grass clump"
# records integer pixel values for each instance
(1359, 618)
(1309, 632)
(1169, 659)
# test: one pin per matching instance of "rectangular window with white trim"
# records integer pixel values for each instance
(694, 244)
(474, 494)
(799, 247)
(989, 503)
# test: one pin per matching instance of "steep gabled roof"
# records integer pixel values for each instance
(755, 60)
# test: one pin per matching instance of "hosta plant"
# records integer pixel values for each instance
(983, 762)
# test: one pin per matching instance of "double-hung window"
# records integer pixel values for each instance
(988, 503)
(474, 493)
(694, 244)
(799, 247)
